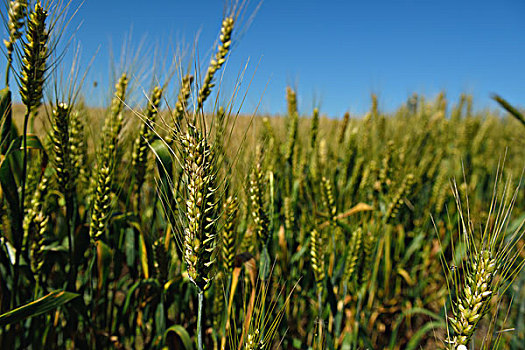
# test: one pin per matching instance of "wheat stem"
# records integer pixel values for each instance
(199, 319)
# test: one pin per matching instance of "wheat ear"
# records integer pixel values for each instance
(16, 21)
(217, 62)
(231, 210)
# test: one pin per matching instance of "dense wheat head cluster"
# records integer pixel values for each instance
(168, 220)
(200, 235)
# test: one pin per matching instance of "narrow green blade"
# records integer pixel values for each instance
(45, 304)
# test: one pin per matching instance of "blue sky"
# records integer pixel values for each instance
(336, 53)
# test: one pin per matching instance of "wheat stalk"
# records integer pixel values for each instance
(35, 55)
(202, 213)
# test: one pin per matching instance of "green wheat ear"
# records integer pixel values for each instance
(491, 265)
(217, 62)
(36, 222)
(317, 258)
(289, 217)
(398, 199)
(139, 155)
(200, 234)
(61, 147)
(344, 127)
(35, 54)
(182, 100)
(16, 20)
(35, 207)
(105, 168)
(161, 260)
(329, 199)
(293, 124)
(476, 295)
(314, 129)
(354, 247)
(180, 110)
(258, 210)
(113, 122)
(102, 204)
(231, 209)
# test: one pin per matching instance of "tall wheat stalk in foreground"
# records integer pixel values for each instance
(200, 234)
(200, 178)
(32, 78)
(491, 264)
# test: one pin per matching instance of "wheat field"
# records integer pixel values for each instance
(180, 224)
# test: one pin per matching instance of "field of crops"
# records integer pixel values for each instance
(183, 225)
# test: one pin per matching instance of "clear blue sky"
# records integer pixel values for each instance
(334, 52)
